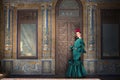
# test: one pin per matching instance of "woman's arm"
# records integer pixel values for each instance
(81, 47)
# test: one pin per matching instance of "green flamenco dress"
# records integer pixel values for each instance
(75, 65)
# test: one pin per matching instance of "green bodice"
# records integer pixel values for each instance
(78, 49)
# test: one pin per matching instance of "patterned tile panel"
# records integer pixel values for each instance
(29, 67)
(26, 1)
(102, 66)
(26, 67)
(7, 66)
(108, 67)
(103, 0)
(46, 66)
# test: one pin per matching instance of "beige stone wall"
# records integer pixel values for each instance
(1, 30)
(1, 33)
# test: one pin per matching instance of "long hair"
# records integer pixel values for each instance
(76, 38)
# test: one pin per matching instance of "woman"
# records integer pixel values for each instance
(75, 65)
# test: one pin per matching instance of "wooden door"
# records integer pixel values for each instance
(68, 18)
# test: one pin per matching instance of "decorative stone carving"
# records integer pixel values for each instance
(46, 30)
(102, 0)
(91, 24)
(26, 1)
(8, 20)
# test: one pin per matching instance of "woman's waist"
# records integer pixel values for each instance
(75, 47)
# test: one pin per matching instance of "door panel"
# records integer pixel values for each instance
(68, 18)
(64, 39)
(61, 46)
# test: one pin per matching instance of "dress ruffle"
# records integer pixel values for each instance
(75, 69)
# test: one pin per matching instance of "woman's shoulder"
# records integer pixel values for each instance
(79, 39)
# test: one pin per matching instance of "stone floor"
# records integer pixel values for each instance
(2, 76)
(46, 79)
(105, 77)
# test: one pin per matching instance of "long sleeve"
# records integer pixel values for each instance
(79, 45)
(82, 47)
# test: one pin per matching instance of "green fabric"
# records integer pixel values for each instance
(75, 65)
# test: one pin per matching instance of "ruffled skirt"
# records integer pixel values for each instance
(75, 69)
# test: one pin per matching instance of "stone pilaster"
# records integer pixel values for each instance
(8, 20)
(47, 59)
(91, 62)
(91, 30)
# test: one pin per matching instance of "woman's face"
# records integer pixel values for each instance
(78, 34)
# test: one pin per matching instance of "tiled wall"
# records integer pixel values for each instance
(29, 67)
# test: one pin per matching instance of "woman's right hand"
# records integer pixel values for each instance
(71, 47)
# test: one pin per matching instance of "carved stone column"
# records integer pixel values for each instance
(91, 24)
(91, 38)
(47, 60)
(8, 24)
